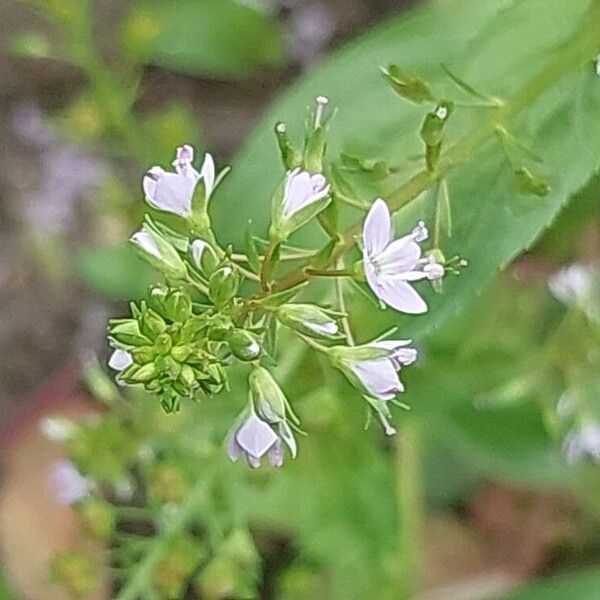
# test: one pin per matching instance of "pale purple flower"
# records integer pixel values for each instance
(173, 192)
(301, 190)
(583, 444)
(120, 359)
(390, 265)
(374, 367)
(255, 438)
(67, 482)
(573, 284)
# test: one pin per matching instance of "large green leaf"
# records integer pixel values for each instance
(217, 38)
(497, 45)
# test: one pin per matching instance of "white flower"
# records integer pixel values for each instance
(583, 443)
(374, 367)
(391, 264)
(120, 359)
(573, 284)
(301, 190)
(68, 483)
(255, 438)
(173, 192)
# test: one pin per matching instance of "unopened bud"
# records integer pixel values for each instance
(157, 251)
(527, 183)
(410, 88)
(308, 319)
(97, 517)
(268, 397)
(223, 286)
(243, 345)
(289, 156)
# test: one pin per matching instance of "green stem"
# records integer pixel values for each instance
(409, 497)
(328, 272)
(139, 584)
(580, 48)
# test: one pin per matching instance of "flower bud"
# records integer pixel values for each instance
(151, 323)
(410, 88)
(75, 572)
(309, 320)
(432, 129)
(172, 572)
(243, 345)
(157, 251)
(166, 484)
(181, 353)
(289, 156)
(527, 183)
(97, 517)
(188, 377)
(268, 397)
(203, 256)
(223, 286)
(127, 331)
(143, 374)
(302, 197)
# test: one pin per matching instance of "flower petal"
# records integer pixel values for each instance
(255, 437)
(145, 240)
(302, 189)
(379, 378)
(377, 229)
(233, 448)
(398, 257)
(120, 359)
(171, 192)
(207, 172)
(401, 296)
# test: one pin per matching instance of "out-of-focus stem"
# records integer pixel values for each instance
(409, 497)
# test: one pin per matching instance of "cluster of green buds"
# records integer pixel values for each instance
(180, 341)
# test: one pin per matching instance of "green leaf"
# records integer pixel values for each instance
(583, 586)
(491, 223)
(216, 38)
(114, 271)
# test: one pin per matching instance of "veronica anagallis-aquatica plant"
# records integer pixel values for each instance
(217, 307)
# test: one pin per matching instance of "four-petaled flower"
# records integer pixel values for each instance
(301, 190)
(255, 438)
(390, 265)
(173, 192)
(120, 359)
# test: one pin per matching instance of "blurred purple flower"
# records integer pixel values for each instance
(583, 444)
(67, 482)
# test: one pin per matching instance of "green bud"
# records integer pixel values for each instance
(166, 484)
(97, 517)
(163, 343)
(188, 377)
(243, 345)
(241, 548)
(527, 183)
(179, 306)
(410, 88)
(268, 397)
(151, 323)
(223, 286)
(172, 572)
(158, 252)
(143, 374)
(76, 572)
(127, 331)
(204, 257)
(309, 320)
(219, 579)
(143, 354)
(289, 156)
(432, 130)
(181, 353)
